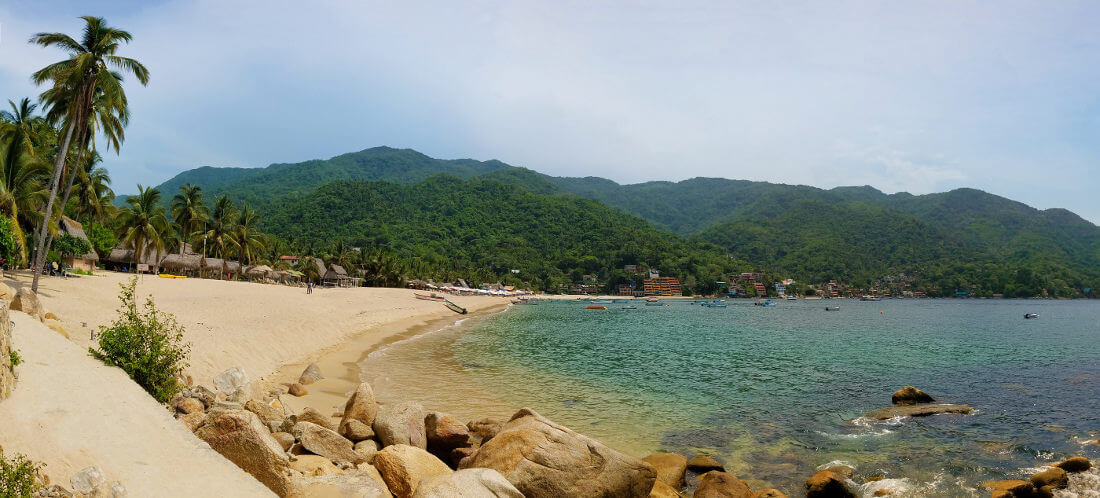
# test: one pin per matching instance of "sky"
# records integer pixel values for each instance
(903, 96)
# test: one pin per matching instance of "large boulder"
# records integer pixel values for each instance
(715, 484)
(27, 302)
(314, 465)
(189, 405)
(402, 423)
(1054, 477)
(325, 442)
(311, 415)
(826, 484)
(445, 433)
(233, 383)
(703, 463)
(352, 485)
(240, 437)
(356, 430)
(403, 467)
(311, 374)
(1011, 489)
(367, 449)
(544, 459)
(484, 429)
(670, 467)
(266, 412)
(6, 292)
(917, 411)
(910, 395)
(662, 490)
(1075, 464)
(361, 406)
(467, 483)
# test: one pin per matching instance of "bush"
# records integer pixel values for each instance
(147, 344)
(15, 360)
(69, 246)
(17, 476)
(10, 253)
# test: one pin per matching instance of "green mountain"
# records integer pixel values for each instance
(965, 239)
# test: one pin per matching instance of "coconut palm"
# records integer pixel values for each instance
(218, 234)
(247, 238)
(94, 198)
(189, 212)
(143, 223)
(86, 71)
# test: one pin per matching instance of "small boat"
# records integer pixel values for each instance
(764, 302)
(454, 307)
(432, 297)
(792, 298)
(713, 304)
(620, 300)
(631, 307)
(832, 308)
(168, 275)
(595, 307)
(1028, 316)
(870, 298)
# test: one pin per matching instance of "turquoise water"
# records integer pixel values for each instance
(776, 392)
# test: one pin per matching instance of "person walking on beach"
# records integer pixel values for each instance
(309, 287)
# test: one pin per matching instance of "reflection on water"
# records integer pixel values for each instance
(775, 392)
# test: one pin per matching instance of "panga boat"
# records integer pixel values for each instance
(454, 307)
(1029, 316)
(765, 302)
(432, 297)
(595, 307)
(631, 307)
(713, 304)
(792, 298)
(832, 308)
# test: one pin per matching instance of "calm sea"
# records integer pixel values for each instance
(776, 392)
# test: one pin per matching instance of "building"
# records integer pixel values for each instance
(85, 262)
(662, 286)
(626, 290)
(781, 288)
(761, 291)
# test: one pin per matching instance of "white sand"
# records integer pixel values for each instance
(70, 411)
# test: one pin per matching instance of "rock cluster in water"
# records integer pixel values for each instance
(912, 402)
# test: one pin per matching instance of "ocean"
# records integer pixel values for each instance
(776, 392)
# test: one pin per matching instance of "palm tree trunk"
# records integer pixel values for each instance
(40, 253)
(72, 176)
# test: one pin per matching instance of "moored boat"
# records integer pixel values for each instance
(454, 307)
(432, 297)
(595, 307)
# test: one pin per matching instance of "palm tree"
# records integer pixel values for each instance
(219, 230)
(246, 237)
(143, 223)
(86, 72)
(188, 212)
(22, 174)
(94, 198)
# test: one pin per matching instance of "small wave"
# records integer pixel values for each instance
(382, 350)
(870, 433)
(890, 487)
(836, 463)
(867, 422)
(1082, 485)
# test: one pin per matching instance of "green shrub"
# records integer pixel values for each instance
(15, 360)
(147, 344)
(17, 476)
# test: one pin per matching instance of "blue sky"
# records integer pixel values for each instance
(904, 96)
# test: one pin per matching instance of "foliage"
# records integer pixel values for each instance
(13, 355)
(147, 344)
(9, 247)
(18, 476)
(144, 224)
(70, 246)
(103, 238)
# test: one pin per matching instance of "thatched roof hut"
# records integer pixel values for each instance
(213, 265)
(233, 267)
(124, 256)
(182, 262)
(121, 255)
(260, 271)
(337, 275)
(74, 228)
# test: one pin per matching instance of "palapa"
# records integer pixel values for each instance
(182, 262)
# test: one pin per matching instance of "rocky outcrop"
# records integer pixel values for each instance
(1075, 464)
(670, 467)
(27, 302)
(467, 483)
(402, 423)
(917, 411)
(703, 463)
(715, 484)
(826, 484)
(1050, 479)
(910, 395)
(544, 459)
(403, 467)
(324, 442)
(445, 433)
(311, 374)
(7, 372)
(241, 437)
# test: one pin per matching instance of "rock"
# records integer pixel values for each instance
(1075, 464)
(827, 484)
(403, 467)
(309, 414)
(843, 471)
(917, 411)
(356, 430)
(544, 459)
(242, 438)
(703, 463)
(27, 302)
(445, 433)
(459, 454)
(88, 481)
(285, 439)
(7, 371)
(770, 493)
(203, 394)
(117, 490)
(233, 383)
(1011, 489)
(357, 485)
(402, 423)
(1055, 477)
(311, 374)
(367, 449)
(372, 471)
(910, 395)
(192, 421)
(314, 465)
(467, 483)
(50, 316)
(715, 484)
(662, 490)
(324, 442)
(6, 292)
(266, 412)
(484, 429)
(670, 467)
(361, 406)
(296, 389)
(189, 405)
